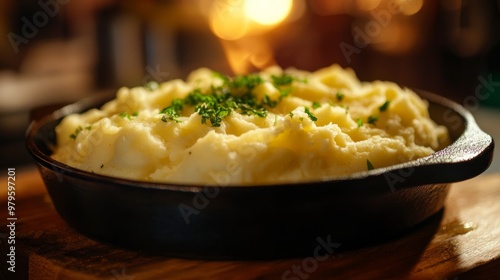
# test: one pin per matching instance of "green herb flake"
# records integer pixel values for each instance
(173, 111)
(316, 104)
(359, 122)
(269, 102)
(221, 76)
(75, 134)
(234, 95)
(284, 92)
(248, 82)
(291, 114)
(284, 83)
(88, 127)
(311, 116)
(124, 115)
(369, 165)
(339, 96)
(384, 106)
(135, 114)
(372, 119)
(282, 80)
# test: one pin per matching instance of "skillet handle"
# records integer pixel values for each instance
(468, 156)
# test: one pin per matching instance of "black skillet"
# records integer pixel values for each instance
(284, 220)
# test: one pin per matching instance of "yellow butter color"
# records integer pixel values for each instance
(127, 138)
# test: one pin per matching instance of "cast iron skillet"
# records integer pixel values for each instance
(274, 221)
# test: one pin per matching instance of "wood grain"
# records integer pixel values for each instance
(460, 242)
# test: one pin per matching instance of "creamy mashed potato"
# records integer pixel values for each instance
(271, 127)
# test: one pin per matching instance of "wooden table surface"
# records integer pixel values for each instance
(461, 242)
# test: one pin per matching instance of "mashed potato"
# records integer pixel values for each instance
(268, 127)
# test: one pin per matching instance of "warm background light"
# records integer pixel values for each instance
(242, 27)
(267, 12)
(228, 22)
(232, 20)
(411, 7)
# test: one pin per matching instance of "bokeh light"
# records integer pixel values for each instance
(267, 12)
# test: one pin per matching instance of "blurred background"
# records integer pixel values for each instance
(59, 51)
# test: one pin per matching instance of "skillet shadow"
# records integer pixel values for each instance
(399, 256)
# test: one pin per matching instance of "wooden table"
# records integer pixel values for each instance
(461, 242)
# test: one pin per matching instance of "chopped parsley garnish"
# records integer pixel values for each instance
(284, 92)
(372, 119)
(316, 104)
(213, 113)
(369, 165)
(291, 114)
(339, 96)
(359, 122)
(234, 95)
(78, 130)
(284, 83)
(384, 106)
(124, 115)
(282, 80)
(246, 82)
(269, 102)
(173, 111)
(311, 116)
(221, 76)
(75, 134)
